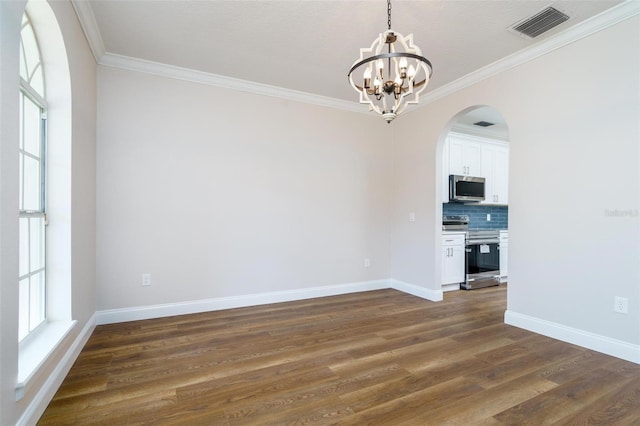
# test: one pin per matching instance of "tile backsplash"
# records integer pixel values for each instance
(478, 215)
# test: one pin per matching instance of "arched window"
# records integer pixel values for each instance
(45, 274)
(33, 184)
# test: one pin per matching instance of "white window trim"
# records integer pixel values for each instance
(29, 92)
(24, 86)
(36, 348)
(45, 348)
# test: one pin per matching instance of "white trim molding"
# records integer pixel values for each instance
(136, 313)
(415, 290)
(196, 306)
(36, 349)
(39, 403)
(195, 76)
(90, 28)
(596, 342)
(583, 29)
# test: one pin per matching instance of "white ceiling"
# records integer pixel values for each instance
(309, 46)
(465, 123)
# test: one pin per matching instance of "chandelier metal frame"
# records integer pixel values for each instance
(398, 83)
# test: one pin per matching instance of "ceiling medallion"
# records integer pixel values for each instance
(392, 77)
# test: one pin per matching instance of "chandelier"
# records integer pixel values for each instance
(393, 70)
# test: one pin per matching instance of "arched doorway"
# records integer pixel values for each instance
(474, 238)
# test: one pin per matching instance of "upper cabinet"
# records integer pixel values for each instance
(464, 156)
(476, 156)
(495, 169)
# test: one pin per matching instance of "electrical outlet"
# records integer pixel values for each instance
(146, 279)
(621, 305)
(412, 217)
(367, 262)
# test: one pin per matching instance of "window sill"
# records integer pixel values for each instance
(37, 349)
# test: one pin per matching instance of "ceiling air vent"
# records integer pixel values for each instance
(483, 124)
(540, 23)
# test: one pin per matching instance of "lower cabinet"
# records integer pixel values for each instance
(504, 257)
(452, 260)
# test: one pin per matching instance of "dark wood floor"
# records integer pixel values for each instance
(380, 357)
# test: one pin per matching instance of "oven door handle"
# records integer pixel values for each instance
(480, 242)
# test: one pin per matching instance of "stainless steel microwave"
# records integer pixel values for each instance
(466, 189)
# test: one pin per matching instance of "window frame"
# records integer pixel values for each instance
(36, 316)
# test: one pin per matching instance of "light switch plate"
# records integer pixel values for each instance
(146, 280)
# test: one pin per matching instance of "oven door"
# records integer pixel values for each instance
(482, 264)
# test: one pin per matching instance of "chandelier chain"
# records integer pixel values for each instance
(389, 14)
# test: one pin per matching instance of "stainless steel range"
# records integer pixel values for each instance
(482, 256)
(482, 259)
(455, 223)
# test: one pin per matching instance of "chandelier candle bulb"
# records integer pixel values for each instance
(403, 68)
(367, 78)
(397, 86)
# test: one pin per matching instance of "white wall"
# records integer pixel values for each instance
(82, 209)
(573, 119)
(218, 193)
(10, 18)
(83, 69)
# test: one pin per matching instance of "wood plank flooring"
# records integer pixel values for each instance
(380, 357)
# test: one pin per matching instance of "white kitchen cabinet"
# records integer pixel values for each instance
(476, 156)
(452, 260)
(495, 169)
(504, 257)
(464, 156)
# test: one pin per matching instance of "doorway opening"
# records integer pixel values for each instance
(474, 199)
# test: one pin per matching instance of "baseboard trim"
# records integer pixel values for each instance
(596, 342)
(111, 316)
(39, 403)
(425, 293)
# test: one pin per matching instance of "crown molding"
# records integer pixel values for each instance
(586, 28)
(186, 74)
(90, 28)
